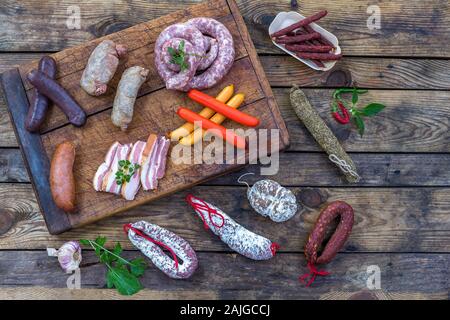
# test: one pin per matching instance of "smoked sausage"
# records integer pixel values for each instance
(62, 181)
(59, 96)
(39, 104)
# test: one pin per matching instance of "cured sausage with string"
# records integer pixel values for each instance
(238, 238)
(149, 238)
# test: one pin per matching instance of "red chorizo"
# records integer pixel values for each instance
(62, 181)
(337, 240)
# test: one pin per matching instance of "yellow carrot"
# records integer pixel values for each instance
(188, 127)
(218, 118)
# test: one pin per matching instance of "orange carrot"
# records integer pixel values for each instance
(207, 124)
(222, 108)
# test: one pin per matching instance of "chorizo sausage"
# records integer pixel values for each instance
(126, 94)
(337, 240)
(59, 96)
(238, 238)
(62, 180)
(101, 67)
(149, 238)
(39, 104)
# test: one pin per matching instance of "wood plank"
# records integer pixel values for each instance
(310, 169)
(366, 72)
(363, 72)
(387, 219)
(240, 277)
(408, 28)
(421, 115)
(413, 121)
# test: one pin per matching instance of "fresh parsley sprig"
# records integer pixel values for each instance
(178, 56)
(126, 171)
(357, 114)
(122, 274)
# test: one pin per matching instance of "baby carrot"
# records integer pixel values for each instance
(215, 128)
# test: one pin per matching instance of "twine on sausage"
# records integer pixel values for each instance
(204, 206)
(274, 248)
(244, 182)
(128, 227)
(344, 166)
(312, 274)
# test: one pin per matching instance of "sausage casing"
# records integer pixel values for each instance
(39, 104)
(62, 180)
(59, 96)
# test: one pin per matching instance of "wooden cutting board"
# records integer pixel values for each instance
(154, 113)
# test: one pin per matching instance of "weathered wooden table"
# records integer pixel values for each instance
(402, 206)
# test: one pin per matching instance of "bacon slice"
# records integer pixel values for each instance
(104, 167)
(154, 166)
(151, 147)
(109, 181)
(130, 189)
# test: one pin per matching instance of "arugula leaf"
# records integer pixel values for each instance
(125, 282)
(354, 96)
(122, 274)
(372, 109)
(359, 122)
(138, 267)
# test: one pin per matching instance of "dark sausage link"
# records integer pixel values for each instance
(59, 96)
(39, 103)
(337, 240)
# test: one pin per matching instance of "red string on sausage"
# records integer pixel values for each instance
(313, 272)
(274, 247)
(204, 206)
(128, 227)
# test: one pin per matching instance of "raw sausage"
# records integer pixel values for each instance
(337, 240)
(149, 238)
(238, 238)
(62, 181)
(126, 94)
(101, 66)
(59, 96)
(39, 104)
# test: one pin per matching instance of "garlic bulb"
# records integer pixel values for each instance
(69, 255)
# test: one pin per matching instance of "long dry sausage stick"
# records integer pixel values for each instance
(297, 39)
(318, 56)
(319, 15)
(323, 135)
(59, 96)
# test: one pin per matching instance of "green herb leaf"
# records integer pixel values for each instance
(125, 282)
(85, 242)
(355, 96)
(372, 109)
(122, 163)
(359, 122)
(117, 249)
(171, 51)
(138, 267)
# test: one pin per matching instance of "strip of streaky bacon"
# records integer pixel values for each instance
(155, 165)
(109, 181)
(151, 146)
(130, 189)
(105, 166)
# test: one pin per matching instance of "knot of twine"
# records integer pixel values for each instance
(344, 166)
(312, 274)
(204, 206)
(128, 227)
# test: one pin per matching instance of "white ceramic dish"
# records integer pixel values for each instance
(285, 19)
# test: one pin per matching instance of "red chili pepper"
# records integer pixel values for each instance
(345, 117)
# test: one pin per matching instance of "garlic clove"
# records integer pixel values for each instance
(69, 255)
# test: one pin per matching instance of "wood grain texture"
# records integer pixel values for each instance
(387, 219)
(363, 72)
(408, 28)
(230, 275)
(414, 121)
(309, 169)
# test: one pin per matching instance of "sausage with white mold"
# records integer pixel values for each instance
(149, 237)
(127, 90)
(238, 238)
